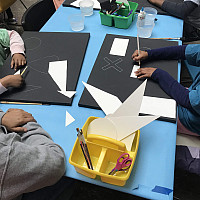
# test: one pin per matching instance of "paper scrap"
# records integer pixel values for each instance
(17, 72)
(119, 47)
(131, 106)
(96, 4)
(108, 102)
(135, 68)
(158, 106)
(69, 94)
(69, 119)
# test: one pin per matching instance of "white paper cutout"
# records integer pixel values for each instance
(58, 72)
(132, 104)
(158, 106)
(135, 68)
(125, 120)
(17, 72)
(69, 119)
(69, 94)
(128, 141)
(98, 125)
(108, 102)
(119, 47)
(96, 4)
(126, 125)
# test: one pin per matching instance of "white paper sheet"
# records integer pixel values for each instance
(131, 106)
(119, 47)
(135, 68)
(158, 106)
(108, 102)
(96, 4)
(69, 119)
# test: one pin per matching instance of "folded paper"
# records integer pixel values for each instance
(121, 120)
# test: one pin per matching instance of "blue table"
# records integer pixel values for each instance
(153, 174)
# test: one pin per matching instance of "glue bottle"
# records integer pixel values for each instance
(141, 18)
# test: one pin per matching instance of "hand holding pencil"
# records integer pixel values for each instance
(139, 55)
(15, 81)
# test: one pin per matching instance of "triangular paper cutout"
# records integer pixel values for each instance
(131, 106)
(108, 102)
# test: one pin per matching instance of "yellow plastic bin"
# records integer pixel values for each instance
(104, 152)
(119, 21)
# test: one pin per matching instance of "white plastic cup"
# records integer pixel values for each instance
(145, 31)
(76, 22)
(86, 7)
(150, 13)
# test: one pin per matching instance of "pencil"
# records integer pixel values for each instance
(87, 151)
(166, 38)
(24, 70)
(84, 153)
(116, 9)
(84, 148)
(138, 46)
(10, 102)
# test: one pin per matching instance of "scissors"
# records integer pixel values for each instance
(123, 163)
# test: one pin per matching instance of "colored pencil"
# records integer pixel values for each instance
(24, 70)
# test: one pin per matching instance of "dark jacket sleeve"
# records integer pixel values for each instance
(174, 89)
(180, 10)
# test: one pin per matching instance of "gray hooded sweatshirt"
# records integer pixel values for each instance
(29, 161)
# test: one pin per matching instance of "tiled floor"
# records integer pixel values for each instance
(186, 186)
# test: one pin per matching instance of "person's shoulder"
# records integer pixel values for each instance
(194, 1)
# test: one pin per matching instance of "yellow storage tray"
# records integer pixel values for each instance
(104, 152)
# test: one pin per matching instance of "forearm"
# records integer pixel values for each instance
(174, 89)
(16, 43)
(180, 10)
(167, 53)
(35, 162)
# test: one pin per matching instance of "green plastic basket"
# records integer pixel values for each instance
(119, 21)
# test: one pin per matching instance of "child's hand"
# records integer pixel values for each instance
(18, 60)
(145, 72)
(14, 119)
(12, 81)
(143, 55)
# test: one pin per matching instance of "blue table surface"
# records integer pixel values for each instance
(153, 173)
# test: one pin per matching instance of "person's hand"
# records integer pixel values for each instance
(18, 60)
(14, 119)
(12, 81)
(136, 57)
(157, 2)
(145, 72)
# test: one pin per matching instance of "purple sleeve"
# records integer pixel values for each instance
(167, 53)
(174, 89)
